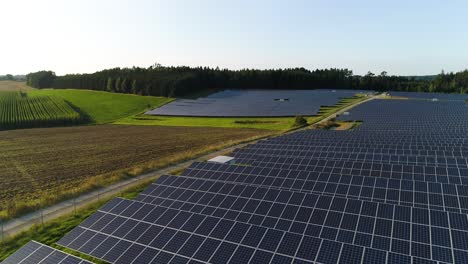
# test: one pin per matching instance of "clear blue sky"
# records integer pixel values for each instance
(76, 36)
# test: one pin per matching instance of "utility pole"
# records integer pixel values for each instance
(74, 205)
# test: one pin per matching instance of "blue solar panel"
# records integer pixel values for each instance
(243, 241)
(238, 103)
(34, 253)
(430, 96)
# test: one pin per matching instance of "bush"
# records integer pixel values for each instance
(300, 121)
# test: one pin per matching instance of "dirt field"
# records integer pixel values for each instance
(13, 86)
(46, 165)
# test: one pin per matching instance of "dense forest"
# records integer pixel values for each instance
(158, 80)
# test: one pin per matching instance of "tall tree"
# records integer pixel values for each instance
(117, 85)
(110, 84)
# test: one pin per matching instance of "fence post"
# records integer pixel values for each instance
(2, 235)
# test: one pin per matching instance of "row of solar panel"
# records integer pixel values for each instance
(35, 253)
(303, 163)
(381, 146)
(430, 96)
(200, 236)
(334, 218)
(287, 174)
(373, 132)
(344, 137)
(447, 151)
(433, 116)
(381, 218)
(374, 151)
(397, 159)
(344, 167)
(428, 174)
(443, 197)
(365, 134)
(254, 103)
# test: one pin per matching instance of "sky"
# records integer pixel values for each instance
(82, 36)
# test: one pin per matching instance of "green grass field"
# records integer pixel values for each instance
(104, 107)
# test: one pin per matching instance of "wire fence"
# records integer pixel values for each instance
(10, 228)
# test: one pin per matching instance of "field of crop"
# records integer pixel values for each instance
(42, 166)
(10, 86)
(22, 110)
(104, 107)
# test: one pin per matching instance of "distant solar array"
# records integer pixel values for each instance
(35, 253)
(423, 120)
(393, 190)
(238, 103)
(431, 96)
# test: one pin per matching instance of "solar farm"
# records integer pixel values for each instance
(392, 190)
(431, 96)
(254, 103)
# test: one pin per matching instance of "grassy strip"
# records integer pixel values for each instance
(391, 97)
(269, 123)
(326, 111)
(105, 107)
(337, 125)
(54, 230)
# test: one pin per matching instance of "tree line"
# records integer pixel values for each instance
(11, 77)
(158, 80)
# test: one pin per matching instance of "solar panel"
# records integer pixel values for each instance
(430, 96)
(35, 252)
(245, 103)
(423, 194)
(327, 217)
(451, 159)
(172, 233)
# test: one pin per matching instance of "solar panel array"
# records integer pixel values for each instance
(393, 190)
(431, 96)
(238, 103)
(37, 253)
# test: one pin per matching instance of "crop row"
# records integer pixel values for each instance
(20, 110)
